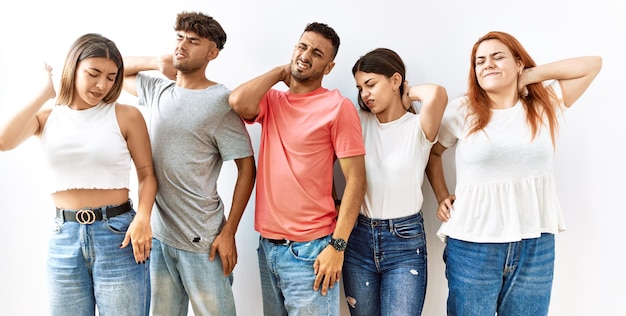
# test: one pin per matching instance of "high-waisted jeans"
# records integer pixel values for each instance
(87, 268)
(385, 268)
(512, 279)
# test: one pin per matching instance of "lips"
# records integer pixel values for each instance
(302, 65)
(490, 74)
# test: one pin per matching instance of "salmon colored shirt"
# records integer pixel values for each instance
(302, 135)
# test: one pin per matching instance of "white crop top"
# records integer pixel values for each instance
(85, 149)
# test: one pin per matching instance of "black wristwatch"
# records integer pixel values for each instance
(339, 244)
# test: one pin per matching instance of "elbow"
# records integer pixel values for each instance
(5, 145)
(241, 107)
(442, 95)
(597, 62)
(234, 99)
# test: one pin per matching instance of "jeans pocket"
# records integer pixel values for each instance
(308, 251)
(57, 225)
(119, 224)
(409, 230)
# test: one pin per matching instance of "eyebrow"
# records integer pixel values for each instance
(191, 38)
(492, 54)
(99, 71)
(314, 48)
(366, 81)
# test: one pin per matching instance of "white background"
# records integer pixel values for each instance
(433, 37)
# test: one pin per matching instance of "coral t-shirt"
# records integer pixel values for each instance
(302, 135)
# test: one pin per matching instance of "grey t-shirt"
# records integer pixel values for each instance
(192, 132)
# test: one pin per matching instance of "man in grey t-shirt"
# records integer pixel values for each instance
(192, 131)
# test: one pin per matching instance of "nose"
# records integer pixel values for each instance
(364, 94)
(306, 54)
(101, 83)
(488, 62)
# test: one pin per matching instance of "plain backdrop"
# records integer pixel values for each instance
(434, 38)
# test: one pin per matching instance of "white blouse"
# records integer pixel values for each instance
(505, 188)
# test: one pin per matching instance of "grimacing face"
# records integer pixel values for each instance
(495, 66)
(95, 77)
(312, 58)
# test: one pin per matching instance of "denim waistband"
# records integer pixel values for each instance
(390, 222)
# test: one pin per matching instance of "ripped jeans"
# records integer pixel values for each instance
(385, 267)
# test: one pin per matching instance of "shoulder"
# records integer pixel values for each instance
(127, 115)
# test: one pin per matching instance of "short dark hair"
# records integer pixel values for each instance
(203, 25)
(326, 31)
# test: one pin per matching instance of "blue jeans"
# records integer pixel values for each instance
(385, 268)
(87, 268)
(287, 279)
(179, 276)
(505, 278)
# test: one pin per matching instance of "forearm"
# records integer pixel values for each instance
(434, 173)
(135, 64)
(571, 68)
(147, 187)
(245, 99)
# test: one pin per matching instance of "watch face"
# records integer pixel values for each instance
(339, 244)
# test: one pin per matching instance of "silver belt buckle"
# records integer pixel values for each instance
(85, 217)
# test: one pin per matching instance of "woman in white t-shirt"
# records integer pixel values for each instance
(385, 262)
(499, 234)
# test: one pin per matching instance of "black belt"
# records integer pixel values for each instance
(90, 215)
(278, 241)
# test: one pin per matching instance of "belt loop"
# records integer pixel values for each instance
(390, 225)
(103, 210)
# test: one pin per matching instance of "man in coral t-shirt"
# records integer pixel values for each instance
(304, 130)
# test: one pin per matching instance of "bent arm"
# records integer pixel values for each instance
(224, 244)
(434, 172)
(28, 121)
(574, 74)
(139, 234)
(434, 99)
(133, 65)
(245, 98)
(328, 264)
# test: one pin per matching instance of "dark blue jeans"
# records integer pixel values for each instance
(385, 268)
(508, 278)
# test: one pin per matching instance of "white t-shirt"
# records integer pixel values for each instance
(505, 189)
(396, 154)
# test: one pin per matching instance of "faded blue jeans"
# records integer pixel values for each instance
(287, 280)
(180, 276)
(385, 268)
(87, 268)
(511, 279)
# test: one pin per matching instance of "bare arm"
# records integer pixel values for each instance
(434, 172)
(28, 121)
(133, 65)
(434, 100)
(245, 98)
(134, 129)
(329, 262)
(224, 244)
(574, 74)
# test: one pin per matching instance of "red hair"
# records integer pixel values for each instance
(539, 102)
